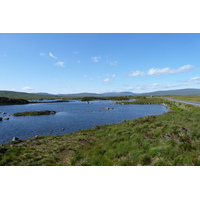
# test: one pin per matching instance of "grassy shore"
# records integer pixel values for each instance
(171, 139)
(195, 98)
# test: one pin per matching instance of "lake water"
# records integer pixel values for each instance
(72, 116)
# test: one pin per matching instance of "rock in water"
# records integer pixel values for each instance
(6, 118)
(15, 139)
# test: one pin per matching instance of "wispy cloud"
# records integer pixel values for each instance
(194, 80)
(137, 73)
(96, 58)
(51, 55)
(188, 82)
(158, 71)
(42, 54)
(155, 86)
(61, 64)
(115, 63)
(27, 88)
(107, 80)
(108, 75)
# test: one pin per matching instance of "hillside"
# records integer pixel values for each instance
(23, 95)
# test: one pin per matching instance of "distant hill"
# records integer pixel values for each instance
(108, 94)
(187, 91)
(81, 95)
(43, 93)
(23, 95)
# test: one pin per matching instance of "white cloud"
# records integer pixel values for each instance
(96, 58)
(191, 81)
(158, 71)
(194, 80)
(108, 75)
(61, 64)
(27, 88)
(107, 80)
(137, 73)
(115, 63)
(51, 55)
(155, 86)
(167, 70)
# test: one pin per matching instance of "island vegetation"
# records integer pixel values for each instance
(57, 101)
(9, 101)
(113, 98)
(171, 139)
(34, 113)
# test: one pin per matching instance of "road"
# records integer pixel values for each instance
(181, 101)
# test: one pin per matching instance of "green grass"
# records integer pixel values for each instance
(195, 98)
(171, 139)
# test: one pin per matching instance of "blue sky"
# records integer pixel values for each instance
(110, 62)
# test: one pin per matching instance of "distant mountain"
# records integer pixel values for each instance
(24, 95)
(108, 94)
(188, 91)
(81, 95)
(43, 93)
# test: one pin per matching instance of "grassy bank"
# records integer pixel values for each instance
(169, 139)
(195, 98)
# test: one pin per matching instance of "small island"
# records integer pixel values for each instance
(34, 113)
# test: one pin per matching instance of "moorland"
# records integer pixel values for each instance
(170, 139)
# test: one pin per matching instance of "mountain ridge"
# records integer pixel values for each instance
(40, 95)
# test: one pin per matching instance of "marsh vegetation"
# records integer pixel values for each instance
(171, 139)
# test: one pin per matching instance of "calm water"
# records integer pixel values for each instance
(72, 116)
